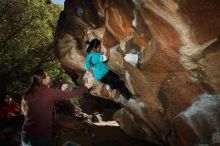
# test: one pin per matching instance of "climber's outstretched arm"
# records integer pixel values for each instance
(107, 54)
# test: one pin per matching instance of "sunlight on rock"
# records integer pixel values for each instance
(131, 58)
(202, 112)
(107, 123)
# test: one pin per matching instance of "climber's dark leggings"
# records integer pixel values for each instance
(113, 80)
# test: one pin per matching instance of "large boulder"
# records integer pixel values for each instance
(167, 52)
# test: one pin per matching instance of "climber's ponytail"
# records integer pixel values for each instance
(92, 44)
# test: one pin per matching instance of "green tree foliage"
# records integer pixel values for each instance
(26, 42)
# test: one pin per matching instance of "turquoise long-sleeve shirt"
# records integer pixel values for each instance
(96, 62)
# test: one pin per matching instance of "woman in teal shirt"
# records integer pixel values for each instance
(101, 72)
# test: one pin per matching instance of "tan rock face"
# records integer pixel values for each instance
(167, 52)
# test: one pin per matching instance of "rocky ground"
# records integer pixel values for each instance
(74, 127)
(104, 134)
(93, 128)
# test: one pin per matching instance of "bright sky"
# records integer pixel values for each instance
(58, 2)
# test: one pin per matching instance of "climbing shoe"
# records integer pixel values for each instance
(134, 97)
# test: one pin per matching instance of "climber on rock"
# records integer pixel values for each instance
(97, 63)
